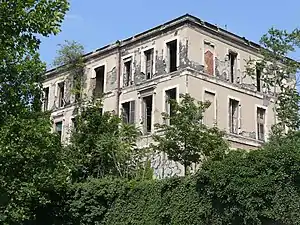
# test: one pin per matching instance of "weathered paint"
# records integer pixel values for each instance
(190, 77)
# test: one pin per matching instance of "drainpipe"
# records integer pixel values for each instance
(118, 77)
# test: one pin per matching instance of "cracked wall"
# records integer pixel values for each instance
(191, 54)
(160, 54)
(196, 56)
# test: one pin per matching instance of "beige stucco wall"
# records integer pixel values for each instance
(189, 78)
(224, 92)
(197, 37)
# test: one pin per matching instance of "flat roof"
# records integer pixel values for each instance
(187, 18)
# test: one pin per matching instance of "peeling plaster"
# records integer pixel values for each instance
(266, 101)
(160, 64)
(222, 69)
(139, 76)
(183, 54)
(111, 81)
(251, 134)
(68, 90)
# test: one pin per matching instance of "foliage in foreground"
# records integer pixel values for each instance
(278, 76)
(257, 187)
(23, 22)
(31, 167)
(102, 145)
(185, 138)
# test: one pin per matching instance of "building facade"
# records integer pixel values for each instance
(185, 55)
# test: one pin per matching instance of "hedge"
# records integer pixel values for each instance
(117, 202)
(259, 187)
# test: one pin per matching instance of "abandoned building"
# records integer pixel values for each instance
(185, 55)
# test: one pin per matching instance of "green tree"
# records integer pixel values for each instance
(278, 76)
(31, 167)
(185, 138)
(29, 152)
(69, 58)
(256, 187)
(22, 23)
(102, 145)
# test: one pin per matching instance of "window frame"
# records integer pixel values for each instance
(143, 112)
(143, 64)
(238, 116)
(45, 108)
(59, 98)
(125, 59)
(62, 127)
(260, 85)
(215, 102)
(130, 120)
(207, 42)
(235, 74)
(176, 87)
(265, 122)
(166, 53)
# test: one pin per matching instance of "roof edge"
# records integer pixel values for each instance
(181, 19)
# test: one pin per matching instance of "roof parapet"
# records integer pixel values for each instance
(187, 18)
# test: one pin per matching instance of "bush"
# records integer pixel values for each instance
(118, 202)
(259, 187)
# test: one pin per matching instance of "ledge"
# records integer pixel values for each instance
(243, 140)
(217, 81)
(62, 109)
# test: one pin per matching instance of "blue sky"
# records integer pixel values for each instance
(95, 23)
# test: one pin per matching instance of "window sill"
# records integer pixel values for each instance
(244, 140)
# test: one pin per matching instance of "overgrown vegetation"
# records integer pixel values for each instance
(69, 59)
(102, 178)
(278, 76)
(257, 187)
(185, 138)
(30, 155)
(102, 145)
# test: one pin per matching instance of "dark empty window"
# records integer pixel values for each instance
(170, 95)
(58, 128)
(61, 94)
(261, 123)
(46, 98)
(128, 111)
(258, 78)
(149, 63)
(127, 71)
(232, 60)
(99, 88)
(233, 116)
(147, 114)
(74, 123)
(172, 55)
